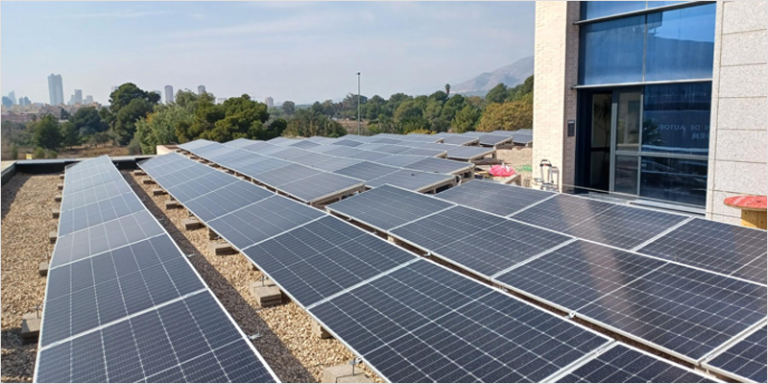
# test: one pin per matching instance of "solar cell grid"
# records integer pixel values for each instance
(495, 139)
(319, 186)
(466, 153)
(424, 323)
(311, 159)
(227, 199)
(253, 169)
(95, 194)
(369, 155)
(717, 247)
(445, 227)
(103, 237)
(366, 170)
(386, 140)
(305, 144)
(239, 143)
(107, 287)
(400, 160)
(261, 220)
(187, 340)
(412, 180)
(258, 147)
(324, 257)
(286, 174)
(347, 143)
(622, 364)
(290, 153)
(98, 212)
(562, 212)
(435, 165)
(335, 163)
(459, 140)
(745, 360)
(75, 186)
(370, 146)
(343, 151)
(493, 197)
(198, 186)
(387, 207)
(424, 152)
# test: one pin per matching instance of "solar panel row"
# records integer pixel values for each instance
(683, 311)
(408, 318)
(122, 302)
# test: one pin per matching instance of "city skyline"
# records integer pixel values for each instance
(290, 51)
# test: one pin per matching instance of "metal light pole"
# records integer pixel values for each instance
(358, 103)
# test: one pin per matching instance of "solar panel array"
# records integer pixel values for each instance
(122, 302)
(745, 360)
(408, 318)
(683, 311)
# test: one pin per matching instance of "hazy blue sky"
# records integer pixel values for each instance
(290, 51)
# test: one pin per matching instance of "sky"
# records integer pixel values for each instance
(298, 51)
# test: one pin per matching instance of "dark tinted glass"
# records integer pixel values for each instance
(612, 51)
(677, 180)
(680, 44)
(676, 118)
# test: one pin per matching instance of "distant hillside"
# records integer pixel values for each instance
(511, 75)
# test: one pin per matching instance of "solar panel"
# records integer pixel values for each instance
(239, 143)
(624, 364)
(222, 201)
(258, 146)
(100, 289)
(95, 194)
(285, 175)
(290, 153)
(260, 167)
(347, 143)
(321, 186)
(523, 136)
(194, 144)
(98, 212)
(442, 228)
(305, 144)
(385, 140)
(387, 207)
(495, 139)
(467, 153)
(335, 163)
(189, 340)
(198, 186)
(370, 146)
(493, 197)
(420, 137)
(435, 165)
(262, 220)
(745, 360)
(75, 186)
(424, 323)
(343, 151)
(460, 140)
(311, 159)
(562, 212)
(103, 237)
(424, 152)
(624, 227)
(684, 311)
(413, 180)
(324, 257)
(369, 155)
(392, 149)
(366, 170)
(717, 247)
(400, 160)
(281, 140)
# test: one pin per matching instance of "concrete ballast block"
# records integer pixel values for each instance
(30, 326)
(57, 198)
(60, 186)
(344, 374)
(139, 172)
(319, 331)
(61, 177)
(192, 224)
(222, 249)
(170, 204)
(266, 293)
(158, 192)
(55, 213)
(147, 180)
(42, 269)
(52, 236)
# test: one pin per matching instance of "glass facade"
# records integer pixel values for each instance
(675, 44)
(648, 140)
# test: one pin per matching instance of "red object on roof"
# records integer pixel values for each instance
(502, 171)
(752, 203)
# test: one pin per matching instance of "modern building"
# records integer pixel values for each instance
(200, 89)
(270, 102)
(78, 96)
(24, 101)
(88, 100)
(661, 103)
(55, 89)
(168, 94)
(12, 96)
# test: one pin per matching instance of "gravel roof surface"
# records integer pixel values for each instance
(27, 201)
(287, 342)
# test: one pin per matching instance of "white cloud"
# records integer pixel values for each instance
(291, 24)
(109, 15)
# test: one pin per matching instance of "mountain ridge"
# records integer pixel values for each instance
(511, 75)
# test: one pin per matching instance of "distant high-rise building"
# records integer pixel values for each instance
(168, 94)
(7, 102)
(12, 96)
(78, 96)
(55, 89)
(89, 100)
(200, 89)
(24, 101)
(270, 102)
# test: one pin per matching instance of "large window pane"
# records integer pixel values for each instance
(676, 118)
(625, 175)
(681, 44)
(595, 9)
(675, 180)
(612, 51)
(656, 4)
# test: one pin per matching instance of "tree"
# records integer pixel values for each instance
(70, 134)
(87, 121)
(160, 127)
(126, 93)
(47, 133)
(497, 94)
(243, 117)
(289, 107)
(407, 109)
(448, 89)
(465, 119)
(125, 120)
(508, 116)
(100, 138)
(521, 90)
(384, 124)
(308, 123)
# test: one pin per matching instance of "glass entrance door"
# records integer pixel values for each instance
(601, 110)
(626, 144)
